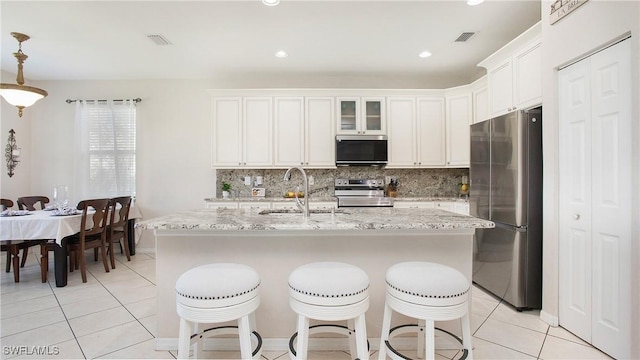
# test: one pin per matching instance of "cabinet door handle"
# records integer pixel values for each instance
(576, 217)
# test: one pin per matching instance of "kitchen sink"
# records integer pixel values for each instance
(296, 211)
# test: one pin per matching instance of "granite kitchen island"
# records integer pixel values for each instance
(275, 242)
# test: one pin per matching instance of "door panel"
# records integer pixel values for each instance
(257, 131)
(575, 197)
(612, 149)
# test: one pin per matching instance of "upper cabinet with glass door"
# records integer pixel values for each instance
(361, 116)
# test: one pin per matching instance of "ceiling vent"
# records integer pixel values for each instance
(465, 36)
(159, 39)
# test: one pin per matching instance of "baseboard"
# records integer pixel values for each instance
(548, 318)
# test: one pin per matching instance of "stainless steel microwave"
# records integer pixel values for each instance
(361, 150)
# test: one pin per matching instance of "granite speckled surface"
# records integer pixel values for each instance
(412, 182)
(350, 219)
(332, 198)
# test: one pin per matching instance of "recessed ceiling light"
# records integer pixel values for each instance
(281, 54)
(424, 54)
(271, 2)
(474, 2)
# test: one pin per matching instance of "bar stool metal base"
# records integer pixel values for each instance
(320, 328)
(228, 330)
(415, 328)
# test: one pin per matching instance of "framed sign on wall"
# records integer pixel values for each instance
(562, 8)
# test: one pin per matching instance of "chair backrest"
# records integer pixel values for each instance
(120, 211)
(100, 217)
(5, 204)
(29, 202)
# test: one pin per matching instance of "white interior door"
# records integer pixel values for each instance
(595, 206)
(575, 199)
(611, 203)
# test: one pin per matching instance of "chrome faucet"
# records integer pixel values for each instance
(303, 206)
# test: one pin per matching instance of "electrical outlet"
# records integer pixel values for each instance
(387, 179)
(311, 180)
(247, 180)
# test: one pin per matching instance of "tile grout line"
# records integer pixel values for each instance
(66, 318)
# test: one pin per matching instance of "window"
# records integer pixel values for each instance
(106, 157)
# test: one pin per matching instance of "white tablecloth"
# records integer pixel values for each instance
(39, 225)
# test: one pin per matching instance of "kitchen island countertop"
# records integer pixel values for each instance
(277, 242)
(342, 219)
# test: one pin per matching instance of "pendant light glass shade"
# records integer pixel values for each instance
(20, 95)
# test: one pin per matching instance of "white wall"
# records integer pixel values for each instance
(19, 183)
(586, 29)
(174, 167)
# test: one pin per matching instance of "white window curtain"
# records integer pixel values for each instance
(105, 156)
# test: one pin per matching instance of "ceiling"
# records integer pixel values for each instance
(107, 40)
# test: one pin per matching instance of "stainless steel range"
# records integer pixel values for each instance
(361, 192)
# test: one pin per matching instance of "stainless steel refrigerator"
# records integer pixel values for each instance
(506, 188)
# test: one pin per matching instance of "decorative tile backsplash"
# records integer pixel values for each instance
(411, 182)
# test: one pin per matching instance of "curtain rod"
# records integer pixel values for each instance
(69, 101)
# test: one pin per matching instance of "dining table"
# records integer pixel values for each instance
(44, 225)
(49, 225)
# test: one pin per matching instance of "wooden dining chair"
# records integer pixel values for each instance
(29, 202)
(93, 234)
(6, 204)
(13, 247)
(118, 229)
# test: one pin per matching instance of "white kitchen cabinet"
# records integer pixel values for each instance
(320, 143)
(444, 205)
(413, 204)
(461, 207)
(595, 214)
(304, 132)
(416, 130)
(361, 115)
(221, 205)
(254, 205)
(515, 74)
(289, 131)
(431, 131)
(480, 100)
(323, 205)
(458, 135)
(242, 132)
(402, 145)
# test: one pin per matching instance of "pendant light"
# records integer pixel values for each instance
(20, 95)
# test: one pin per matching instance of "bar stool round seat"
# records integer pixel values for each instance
(329, 291)
(217, 293)
(427, 292)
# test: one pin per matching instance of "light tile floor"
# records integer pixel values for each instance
(112, 316)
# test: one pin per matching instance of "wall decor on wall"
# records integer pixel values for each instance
(562, 8)
(11, 152)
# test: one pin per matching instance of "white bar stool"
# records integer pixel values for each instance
(428, 292)
(218, 293)
(329, 291)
